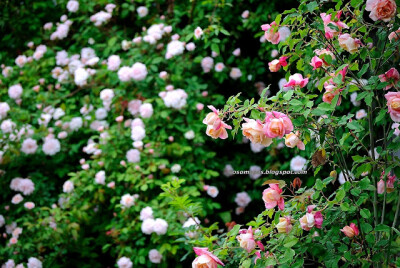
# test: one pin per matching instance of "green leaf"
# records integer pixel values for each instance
(340, 195)
(365, 213)
(312, 6)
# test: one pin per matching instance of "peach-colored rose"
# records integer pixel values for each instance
(246, 239)
(350, 231)
(348, 43)
(284, 225)
(216, 128)
(393, 103)
(253, 130)
(381, 9)
(292, 140)
(205, 259)
(277, 125)
(272, 197)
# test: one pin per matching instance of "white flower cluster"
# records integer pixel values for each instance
(25, 186)
(137, 72)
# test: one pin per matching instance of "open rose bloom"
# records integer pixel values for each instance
(331, 32)
(277, 125)
(293, 139)
(296, 80)
(284, 225)
(254, 131)
(246, 239)
(383, 10)
(393, 103)
(272, 197)
(276, 64)
(205, 259)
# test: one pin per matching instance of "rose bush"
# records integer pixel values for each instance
(102, 104)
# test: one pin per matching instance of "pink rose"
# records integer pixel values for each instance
(394, 35)
(272, 197)
(331, 32)
(292, 140)
(271, 32)
(275, 65)
(277, 125)
(296, 80)
(254, 131)
(381, 9)
(348, 43)
(389, 184)
(330, 93)
(350, 231)
(205, 259)
(316, 62)
(246, 239)
(393, 103)
(311, 219)
(392, 76)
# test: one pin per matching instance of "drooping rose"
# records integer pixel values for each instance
(393, 103)
(277, 125)
(271, 32)
(330, 31)
(296, 80)
(205, 259)
(350, 231)
(349, 43)
(246, 239)
(381, 9)
(272, 197)
(284, 225)
(330, 92)
(392, 76)
(292, 140)
(216, 128)
(253, 130)
(389, 184)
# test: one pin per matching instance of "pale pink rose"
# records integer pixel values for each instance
(127, 200)
(311, 219)
(242, 199)
(190, 47)
(205, 259)
(271, 32)
(155, 256)
(163, 75)
(199, 106)
(138, 71)
(13, 240)
(393, 103)
(113, 62)
(296, 80)
(29, 146)
(29, 205)
(381, 9)
(272, 197)
(348, 43)
(350, 231)
(246, 239)
(235, 73)
(15, 91)
(284, 225)
(245, 14)
(100, 177)
(293, 139)
(207, 64)
(212, 191)
(146, 110)
(124, 262)
(236, 52)
(392, 76)
(17, 199)
(274, 53)
(332, 32)
(198, 32)
(277, 125)
(254, 131)
(389, 184)
(219, 67)
(394, 36)
(68, 186)
(316, 62)
(73, 6)
(216, 128)
(125, 73)
(133, 156)
(21, 60)
(361, 114)
(146, 213)
(142, 11)
(48, 26)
